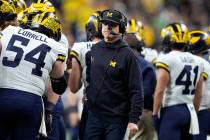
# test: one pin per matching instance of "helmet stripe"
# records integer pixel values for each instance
(179, 33)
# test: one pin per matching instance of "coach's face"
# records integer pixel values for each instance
(110, 30)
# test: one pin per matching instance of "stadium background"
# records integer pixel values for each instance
(154, 14)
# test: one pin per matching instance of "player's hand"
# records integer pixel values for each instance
(48, 121)
(133, 128)
(74, 119)
(156, 122)
(48, 116)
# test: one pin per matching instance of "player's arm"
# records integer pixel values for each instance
(162, 82)
(49, 106)
(198, 93)
(51, 95)
(75, 73)
(75, 76)
(72, 109)
(57, 77)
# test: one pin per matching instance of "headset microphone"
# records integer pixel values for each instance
(113, 33)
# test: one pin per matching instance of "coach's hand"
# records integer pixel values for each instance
(133, 128)
(48, 116)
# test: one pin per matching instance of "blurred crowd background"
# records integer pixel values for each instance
(154, 14)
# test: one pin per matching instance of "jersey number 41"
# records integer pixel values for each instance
(186, 72)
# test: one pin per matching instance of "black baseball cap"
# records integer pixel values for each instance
(111, 15)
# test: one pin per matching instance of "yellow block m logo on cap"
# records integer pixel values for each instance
(109, 14)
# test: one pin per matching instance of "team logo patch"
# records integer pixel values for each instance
(113, 63)
(109, 14)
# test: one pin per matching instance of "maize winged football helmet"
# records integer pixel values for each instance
(199, 41)
(48, 24)
(7, 10)
(22, 18)
(41, 6)
(93, 26)
(137, 28)
(174, 35)
(20, 5)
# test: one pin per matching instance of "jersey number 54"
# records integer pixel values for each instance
(41, 51)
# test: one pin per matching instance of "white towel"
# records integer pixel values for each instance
(126, 137)
(42, 129)
(194, 126)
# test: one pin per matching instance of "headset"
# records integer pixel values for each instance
(123, 20)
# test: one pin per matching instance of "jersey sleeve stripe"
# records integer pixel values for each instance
(75, 55)
(160, 64)
(205, 75)
(154, 61)
(61, 57)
